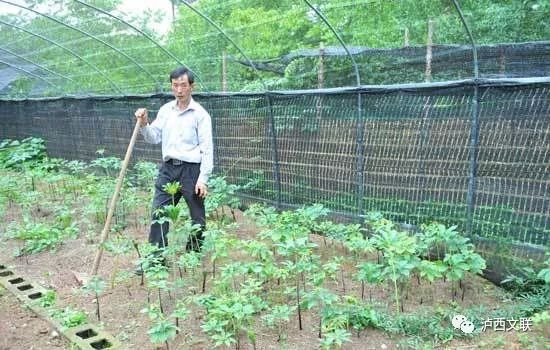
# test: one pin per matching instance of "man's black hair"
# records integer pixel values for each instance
(180, 72)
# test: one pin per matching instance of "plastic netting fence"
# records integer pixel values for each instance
(408, 64)
(414, 154)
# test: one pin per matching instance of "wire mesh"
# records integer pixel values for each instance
(416, 156)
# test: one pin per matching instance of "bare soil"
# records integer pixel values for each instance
(121, 305)
(23, 329)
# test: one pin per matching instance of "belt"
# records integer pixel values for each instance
(179, 162)
(175, 161)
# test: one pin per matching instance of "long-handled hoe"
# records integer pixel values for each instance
(83, 278)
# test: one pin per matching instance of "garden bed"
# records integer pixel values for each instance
(264, 280)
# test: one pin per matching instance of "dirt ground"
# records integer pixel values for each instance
(121, 305)
(22, 329)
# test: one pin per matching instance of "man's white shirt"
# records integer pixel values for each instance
(185, 135)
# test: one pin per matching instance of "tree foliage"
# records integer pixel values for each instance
(259, 30)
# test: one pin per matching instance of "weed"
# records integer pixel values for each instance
(48, 299)
(38, 237)
(69, 318)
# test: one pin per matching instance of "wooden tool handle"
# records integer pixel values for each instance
(112, 205)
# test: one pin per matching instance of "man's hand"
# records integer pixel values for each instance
(141, 115)
(201, 189)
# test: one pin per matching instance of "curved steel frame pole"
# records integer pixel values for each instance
(159, 85)
(30, 73)
(470, 36)
(112, 83)
(144, 35)
(219, 29)
(272, 129)
(325, 20)
(474, 135)
(360, 158)
(36, 64)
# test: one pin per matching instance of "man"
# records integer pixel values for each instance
(184, 127)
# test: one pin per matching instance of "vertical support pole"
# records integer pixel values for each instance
(99, 127)
(320, 85)
(224, 112)
(474, 144)
(4, 107)
(224, 70)
(502, 63)
(321, 69)
(360, 155)
(406, 38)
(470, 199)
(320, 79)
(173, 10)
(429, 44)
(20, 115)
(275, 151)
(424, 132)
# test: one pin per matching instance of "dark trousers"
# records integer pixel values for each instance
(186, 174)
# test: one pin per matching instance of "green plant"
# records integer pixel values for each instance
(348, 313)
(223, 194)
(107, 164)
(541, 317)
(525, 281)
(38, 237)
(118, 246)
(13, 153)
(428, 326)
(230, 314)
(277, 317)
(320, 298)
(181, 311)
(399, 250)
(95, 286)
(262, 216)
(145, 173)
(335, 339)
(370, 273)
(69, 318)
(544, 273)
(162, 330)
(48, 299)
(157, 277)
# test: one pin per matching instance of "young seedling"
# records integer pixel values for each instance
(399, 250)
(118, 246)
(335, 339)
(321, 298)
(278, 316)
(172, 188)
(162, 329)
(181, 311)
(157, 277)
(370, 273)
(95, 286)
(430, 270)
